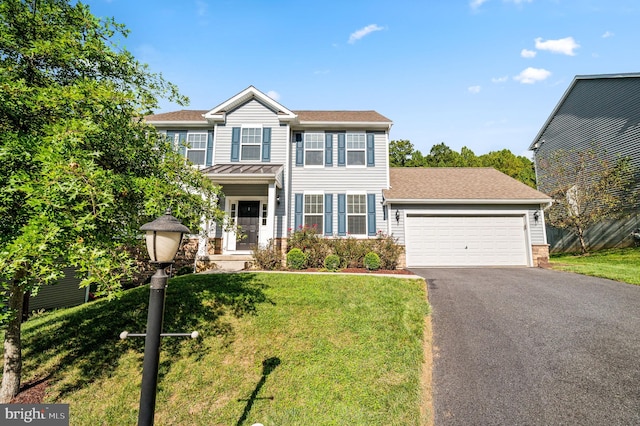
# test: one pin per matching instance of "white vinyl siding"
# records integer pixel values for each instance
(314, 211)
(313, 149)
(357, 214)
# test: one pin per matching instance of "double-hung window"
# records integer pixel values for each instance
(250, 142)
(196, 147)
(313, 211)
(356, 149)
(313, 149)
(357, 214)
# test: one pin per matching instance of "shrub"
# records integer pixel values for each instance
(332, 262)
(296, 259)
(388, 249)
(351, 250)
(268, 258)
(308, 240)
(372, 261)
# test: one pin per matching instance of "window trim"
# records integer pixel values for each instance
(320, 214)
(364, 214)
(321, 142)
(363, 150)
(188, 148)
(243, 144)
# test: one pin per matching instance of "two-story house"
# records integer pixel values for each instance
(281, 169)
(602, 111)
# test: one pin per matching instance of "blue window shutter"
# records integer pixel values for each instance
(209, 160)
(371, 214)
(298, 215)
(328, 149)
(371, 150)
(299, 149)
(328, 214)
(182, 140)
(342, 214)
(266, 144)
(235, 144)
(342, 149)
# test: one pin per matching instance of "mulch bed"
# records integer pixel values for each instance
(364, 271)
(31, 392)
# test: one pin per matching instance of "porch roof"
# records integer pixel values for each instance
(245, 173)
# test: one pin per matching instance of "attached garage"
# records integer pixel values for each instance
(465, 217)
(466, 240)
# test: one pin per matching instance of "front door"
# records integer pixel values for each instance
(248, 223)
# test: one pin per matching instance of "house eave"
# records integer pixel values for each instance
(178, 123)
(301, 125)
(474, 201)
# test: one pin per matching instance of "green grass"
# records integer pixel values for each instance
(615, 264)
(279, 349)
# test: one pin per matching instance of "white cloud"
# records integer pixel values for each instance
(526, 53)
(357, 35)
(565, 46)
(475, 4)
(502, 79)
(273, 95)
(474, 89)
(607, 34)
(532, 75)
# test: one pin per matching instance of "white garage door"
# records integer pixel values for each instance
(466, 241)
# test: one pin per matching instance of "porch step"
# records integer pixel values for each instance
(224, 263)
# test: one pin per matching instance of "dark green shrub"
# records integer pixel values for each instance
(296, 259)
(351, 250)
(332, 262)
(372, 261)
(184, 270)
(268, 258)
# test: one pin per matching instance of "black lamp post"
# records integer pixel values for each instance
(163, 239)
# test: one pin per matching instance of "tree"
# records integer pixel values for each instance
(587, 187)
(80, 171)
(442, 156)
(400, 153)
(518, 167)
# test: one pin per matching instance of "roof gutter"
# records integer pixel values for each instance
(433, 201)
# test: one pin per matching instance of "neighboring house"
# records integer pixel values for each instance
(600, 109)
(64, 294)
(281, 169)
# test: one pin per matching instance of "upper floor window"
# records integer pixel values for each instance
(356, 149)
(250, 143)
(313, 149)
(313, 211)
(357, 214)
(196, 146)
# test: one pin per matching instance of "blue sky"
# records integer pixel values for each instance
(484, 74)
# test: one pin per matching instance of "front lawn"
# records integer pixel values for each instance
(277, 349)
(615, 264)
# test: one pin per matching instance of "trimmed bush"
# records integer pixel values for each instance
(312, 243)
(296, 259)
(372, 261)
(332, 262)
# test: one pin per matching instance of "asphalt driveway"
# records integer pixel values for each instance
(528, 346)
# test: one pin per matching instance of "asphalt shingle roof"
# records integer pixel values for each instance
(457, 183)
(306, 116)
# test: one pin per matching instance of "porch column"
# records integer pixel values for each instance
(271, 213)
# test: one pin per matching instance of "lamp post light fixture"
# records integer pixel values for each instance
(163, 237)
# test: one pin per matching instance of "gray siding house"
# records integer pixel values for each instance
(281, 170)
(600, 109)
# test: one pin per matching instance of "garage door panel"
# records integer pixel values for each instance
(466, 241)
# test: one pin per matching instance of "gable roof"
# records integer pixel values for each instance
(577, 79)
(218, 112)
(184, 115)
(457, 185)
